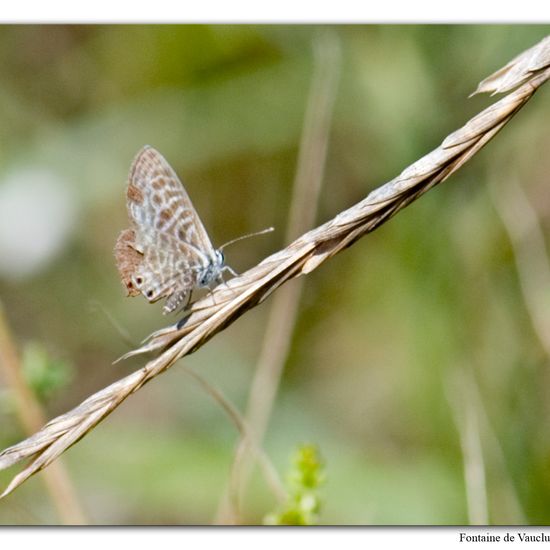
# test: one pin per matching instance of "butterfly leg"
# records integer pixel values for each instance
(222, 281)
(187, 301)
(231, 270)
(177, 301)
(184, 311)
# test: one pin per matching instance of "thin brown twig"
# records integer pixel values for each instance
(57, 481)
(270, 474)
(229, 301)
(284, 308)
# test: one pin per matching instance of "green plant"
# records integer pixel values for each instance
(45, 374)
(304, 480)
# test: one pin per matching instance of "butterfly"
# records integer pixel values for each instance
(166, 253)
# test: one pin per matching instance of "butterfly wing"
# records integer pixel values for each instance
(170, 241)
(128, 259)
(159, 204)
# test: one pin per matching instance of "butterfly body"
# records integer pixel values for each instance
(167, 252)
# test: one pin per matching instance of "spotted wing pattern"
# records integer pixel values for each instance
(166, 253)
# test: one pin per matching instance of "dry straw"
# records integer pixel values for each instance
(229, 301)
(284, 307)
(56, 479)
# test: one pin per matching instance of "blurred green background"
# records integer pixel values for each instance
(397, 337)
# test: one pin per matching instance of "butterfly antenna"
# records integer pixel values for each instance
(268, 230)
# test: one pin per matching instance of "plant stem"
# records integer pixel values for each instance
(32, 417)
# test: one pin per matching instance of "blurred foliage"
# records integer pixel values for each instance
(383, 328)
(45, 374)
(304, 481)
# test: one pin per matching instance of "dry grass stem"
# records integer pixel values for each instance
(270, 474)
(518, 71)
(507, 494)
(284, 308)
(57, 480)
(478, 438)
(465, 413)
(533, 265)
(229, 301)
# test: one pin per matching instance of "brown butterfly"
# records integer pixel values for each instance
(166, 253)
